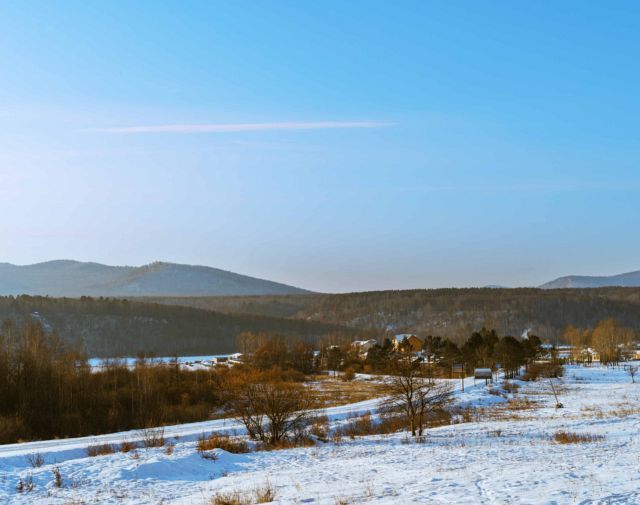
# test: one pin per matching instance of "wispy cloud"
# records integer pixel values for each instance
(241, 127)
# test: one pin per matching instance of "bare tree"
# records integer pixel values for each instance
(413, 394)
(272, 410)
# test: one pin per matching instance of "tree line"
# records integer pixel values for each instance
(608, 338)
(108, 327)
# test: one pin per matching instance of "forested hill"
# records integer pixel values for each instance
(110, 327)
(447, 312)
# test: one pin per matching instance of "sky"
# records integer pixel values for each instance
(336, 146)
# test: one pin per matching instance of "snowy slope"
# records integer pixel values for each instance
(501, 460)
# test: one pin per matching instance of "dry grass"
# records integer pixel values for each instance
(127, 446)
(263, 494)
(510, 387)
(331, 391)
(319, 428)
(101, 450)
(153, 437)
(223, 442)
(362, 426)
(516, 404)
(567, 437)
(301, 441)
(233, 498)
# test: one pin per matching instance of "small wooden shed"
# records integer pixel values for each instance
(483, 373)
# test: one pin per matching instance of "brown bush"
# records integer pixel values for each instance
(301, 441)
(262, 494)
(100, 450)
(265, 493)
(363, 426)
(536, 371)
(128, 446)
(233, 498)
(349, 374)
(359, 426)
(153, 437)
(320, 427)
(510, 387)
(566, 437)
(223, 442)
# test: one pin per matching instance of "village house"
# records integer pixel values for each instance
(407, 339)
(363, 346)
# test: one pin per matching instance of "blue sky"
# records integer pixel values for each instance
(336, 146)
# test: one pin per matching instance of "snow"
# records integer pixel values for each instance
(509, 457)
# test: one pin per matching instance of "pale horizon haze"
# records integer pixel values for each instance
(334, 146)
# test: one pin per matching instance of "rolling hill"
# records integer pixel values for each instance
(74, 278)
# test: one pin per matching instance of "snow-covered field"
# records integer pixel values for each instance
(506, 454)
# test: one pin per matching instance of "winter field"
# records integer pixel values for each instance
(506, 447)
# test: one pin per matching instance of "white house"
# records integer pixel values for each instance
(362, 346)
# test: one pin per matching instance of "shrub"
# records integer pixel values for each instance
(364, 425)
(100, 450)
(359, 427)
(224, 442)
(265, 494)
(25, 484)
(543, 370)
(233, 498)
(153, 437)
(566, 437)
(510, 387)
(349, 374)
(271, 410)
(301, 441)
(128, 446)
(320, 428)
(36, 460)
(57, 477)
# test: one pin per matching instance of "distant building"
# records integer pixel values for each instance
(363, 346)
(483, 373)
(400, 342)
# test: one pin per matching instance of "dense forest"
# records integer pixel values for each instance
(452, 313)
(110, 327)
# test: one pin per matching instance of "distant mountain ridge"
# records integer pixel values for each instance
(74, 278)
(629, 279)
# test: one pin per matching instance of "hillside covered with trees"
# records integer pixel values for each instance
(111, 327)
(452, 313)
